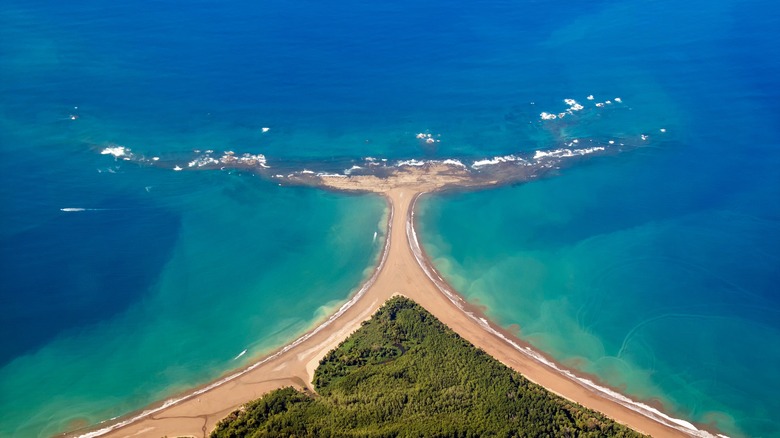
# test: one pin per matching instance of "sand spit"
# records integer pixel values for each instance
(403, 269)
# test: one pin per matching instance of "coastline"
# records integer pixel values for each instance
(402, 269)
(589, 382)
(113, 425)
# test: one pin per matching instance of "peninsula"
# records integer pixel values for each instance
(403, 373)
(402, 270)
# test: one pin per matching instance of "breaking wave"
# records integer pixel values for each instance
(509, 168)
(495, 170)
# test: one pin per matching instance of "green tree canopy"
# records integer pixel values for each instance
(405, 374)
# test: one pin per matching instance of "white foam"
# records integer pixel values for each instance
(590, 97)
(177, 168)
(419, 163)
(618, 100)
(573, 105)
(411, 162)
(547, 116)
(349, 171)
(495, 160)
(264, 129)
(240, 354)
(453, 162)
(203, 161)
(229, 157)
(331, 175)
(116, 151)
(565, 152)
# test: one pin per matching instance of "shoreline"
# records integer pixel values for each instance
(590, 382)
(117, 423)
(403, 269)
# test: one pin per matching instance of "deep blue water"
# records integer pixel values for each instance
(689, 225)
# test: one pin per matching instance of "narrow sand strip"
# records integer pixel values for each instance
(400, 271)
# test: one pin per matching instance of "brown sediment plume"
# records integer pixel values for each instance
(403, 269)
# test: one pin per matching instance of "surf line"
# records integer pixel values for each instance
(346, 306)
(641, 408)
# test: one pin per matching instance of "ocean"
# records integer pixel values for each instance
(653, 270)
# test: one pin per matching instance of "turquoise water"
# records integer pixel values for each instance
(659, 280)
(654, 269)
(677, 309)
(243, 272)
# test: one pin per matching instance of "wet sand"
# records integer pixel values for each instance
(399, 272)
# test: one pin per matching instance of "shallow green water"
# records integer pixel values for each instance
(249, 270)
(662, 297)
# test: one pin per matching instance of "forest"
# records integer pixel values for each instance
(404, 374)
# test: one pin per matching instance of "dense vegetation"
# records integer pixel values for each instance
(406, 374)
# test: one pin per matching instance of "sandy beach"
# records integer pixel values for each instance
(403, 270)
